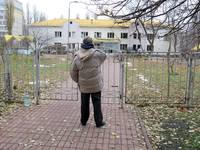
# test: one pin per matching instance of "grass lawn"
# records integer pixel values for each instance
(147, 81)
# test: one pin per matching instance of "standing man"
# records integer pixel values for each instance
(85, 70)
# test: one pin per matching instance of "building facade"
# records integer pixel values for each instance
(106, 34)
(18, 15)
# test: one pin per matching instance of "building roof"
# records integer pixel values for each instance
(83, 22)
(105, 40)
(91, 22)
(196, 47)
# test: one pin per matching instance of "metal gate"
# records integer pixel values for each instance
(112, 77)
(55, 83)
(53, 80)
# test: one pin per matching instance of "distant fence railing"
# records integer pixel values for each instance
(162, 78)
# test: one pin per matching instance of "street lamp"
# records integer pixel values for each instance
(68, 28)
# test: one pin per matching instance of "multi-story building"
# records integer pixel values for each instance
(18, 15)
(106, 34)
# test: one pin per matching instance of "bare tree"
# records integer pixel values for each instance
(9, 16)
(126, 10)
(28, 17)
(42, 16)
(40, 38)
(35, 14)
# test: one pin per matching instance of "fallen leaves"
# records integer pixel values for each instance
(171, 126)
(76, 130)
(112, 137)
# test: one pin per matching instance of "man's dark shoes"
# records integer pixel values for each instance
(102, 124)
(83, 124)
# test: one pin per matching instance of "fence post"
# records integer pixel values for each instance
(122, 86)
(37, 76)
(190, 77)
(8, 70)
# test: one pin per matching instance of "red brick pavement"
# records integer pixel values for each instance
(56, 125)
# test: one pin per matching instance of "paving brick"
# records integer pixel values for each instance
(65, 115)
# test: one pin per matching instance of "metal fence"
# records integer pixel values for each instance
(17, 74)
(165, 78)
(161, 78)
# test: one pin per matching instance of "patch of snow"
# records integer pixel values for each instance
(142, 77)
(45, 66)
(62, 59)
(133, 69)
(47, 82)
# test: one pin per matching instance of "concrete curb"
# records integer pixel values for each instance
(144, 131)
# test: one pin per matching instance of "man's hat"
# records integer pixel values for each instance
(87, 40)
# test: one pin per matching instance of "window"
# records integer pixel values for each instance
(97, 34)
(58, 34)
(139, 36)
(134, 47)
(124, 35)
(150, 36)
(138, 46)
(148, 47)
(123, 46)
(1, 17)
(3, 28)
(73, 34)
(110, 35)
(69, 34)
(73, 46)
(135, 35)
(57, 43)
(84, 34)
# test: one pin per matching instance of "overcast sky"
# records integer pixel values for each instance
(54, 9)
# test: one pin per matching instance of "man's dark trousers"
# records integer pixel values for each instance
(85, 107)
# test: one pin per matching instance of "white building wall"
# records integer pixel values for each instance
(104, 30)
(74, 27)
(161, 44)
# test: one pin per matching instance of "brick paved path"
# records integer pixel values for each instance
(56, 125)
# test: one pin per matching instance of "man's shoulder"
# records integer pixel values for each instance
(99, 52)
